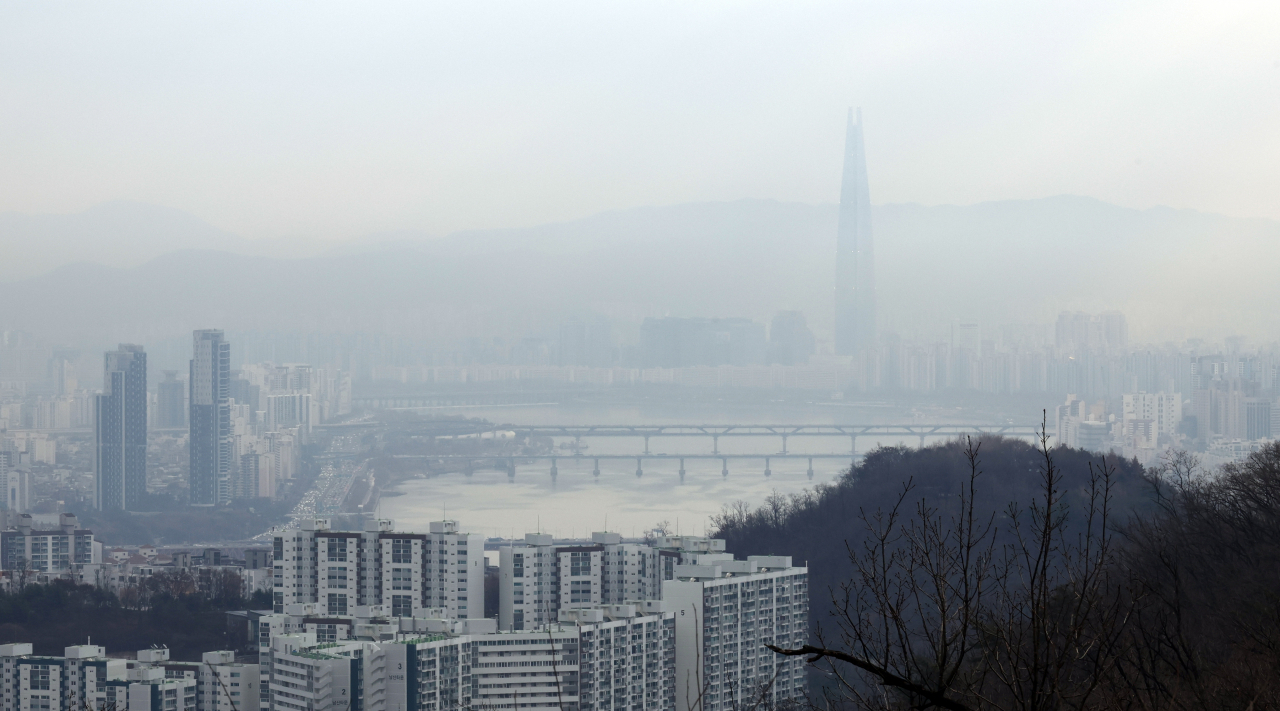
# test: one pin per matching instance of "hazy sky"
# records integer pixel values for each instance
(338, 119)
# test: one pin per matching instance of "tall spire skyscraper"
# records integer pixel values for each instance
(855, 266)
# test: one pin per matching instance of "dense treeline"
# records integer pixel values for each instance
(999, 576)
(177, 613)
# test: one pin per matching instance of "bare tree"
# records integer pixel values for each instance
(947, 611)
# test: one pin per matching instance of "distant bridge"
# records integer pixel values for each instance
(715, 432)
(469, 462)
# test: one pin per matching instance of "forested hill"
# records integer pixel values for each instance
(814, 527)
(1177, 604)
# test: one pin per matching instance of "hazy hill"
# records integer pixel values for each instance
(118, 234)
(1175, 272)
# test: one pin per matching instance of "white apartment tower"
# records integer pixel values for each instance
(407, 572)
(614, 658)
(540, 578)
(1146, 416)
(725, 612)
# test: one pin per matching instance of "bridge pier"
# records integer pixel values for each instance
(646, 444)
(639, 468)
(921, 441)
(715, 444)
(784, 444)
(810, 467)
(555, 471)
(767, 471)
(682, 470)
(471, 467)
(511, 469)
(596, 472)
(853, 444)
(724, 471)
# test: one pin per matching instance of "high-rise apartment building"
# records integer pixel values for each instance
(406, 572)
(1147, 416)
(26, 549)
(171, 402)
(211, 443)
(120, 430)
(539, 579)
(855, 266)
(608, 659)
(726, 611)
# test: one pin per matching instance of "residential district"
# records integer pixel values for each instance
(385, 619)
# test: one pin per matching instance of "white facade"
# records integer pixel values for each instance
(64, 550)
(540, 578)
(725, 612)
(1147, 416)
(608, 659)
(307, 678)
(84, 678)
(407, 572)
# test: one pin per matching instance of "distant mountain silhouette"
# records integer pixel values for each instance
(1175, 272)
(120, 233)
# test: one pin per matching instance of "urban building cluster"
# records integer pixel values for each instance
(33, 553)
(240, 431)
(84, 677)
(380, 613)
(379, 618)
(1221, 406)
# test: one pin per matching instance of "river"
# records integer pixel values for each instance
(577, 503)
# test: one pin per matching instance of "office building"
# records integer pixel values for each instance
(680, 342)
(790, 340)
(855, 330)
(120, 431)
(726, 611)
(211, 444)
(407, 572)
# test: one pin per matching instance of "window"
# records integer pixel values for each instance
(580, 591)
(40, 676)
(401, 578)
(579, 564)
(337, 604)
(518, 563)
(338, 577)
(337, 550)
(401, 550)
(401, 605)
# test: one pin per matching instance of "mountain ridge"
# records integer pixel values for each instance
(1176, 273)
